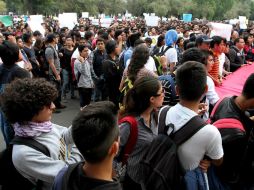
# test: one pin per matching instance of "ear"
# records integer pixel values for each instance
(152, 98)
(114, 148)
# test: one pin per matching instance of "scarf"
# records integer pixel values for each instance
(32, 129)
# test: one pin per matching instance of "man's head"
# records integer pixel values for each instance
(96, 133)
(234, 35)
(9, 37)
(83, 50)
(193, 54)
(100, 44)
(203, 42)
(191, 81)
(9, 53)
(248, 90)
(111, 47)
(218, 44)
(51, 38)
(27, 38)
(239, 43)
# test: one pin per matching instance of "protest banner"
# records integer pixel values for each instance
(6, 20)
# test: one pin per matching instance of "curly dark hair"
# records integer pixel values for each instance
(139, 58)
(24, 98)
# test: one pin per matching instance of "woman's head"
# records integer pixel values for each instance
(208, 59)
(27, 100)
(146, 92)
(139, 58)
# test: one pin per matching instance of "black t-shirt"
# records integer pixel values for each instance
(78, 180)
(65, 60)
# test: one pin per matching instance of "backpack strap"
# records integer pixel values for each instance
(215, 109)
(188, 130)
(67, 175)
(132, 140)
(31, 143)
(162, 119)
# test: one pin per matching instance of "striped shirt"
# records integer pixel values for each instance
(145, 137)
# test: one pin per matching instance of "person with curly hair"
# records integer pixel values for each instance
(28, 105)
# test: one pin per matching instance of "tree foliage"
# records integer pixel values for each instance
(210, 9)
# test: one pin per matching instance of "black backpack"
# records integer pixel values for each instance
(160, 167)
(10, 178)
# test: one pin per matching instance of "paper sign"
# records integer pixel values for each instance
(242, 20)
(95, 22)
(152, 20)
(6, 20)
(85, 14)
(35, 22)
(106, 22)
(187, 17)
(68, 20)
(219, 29)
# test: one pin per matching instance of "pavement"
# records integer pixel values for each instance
(64, 118)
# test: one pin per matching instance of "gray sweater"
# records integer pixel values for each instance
(86, 72)
(34, 165)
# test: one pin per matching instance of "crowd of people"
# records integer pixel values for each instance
(124, 81)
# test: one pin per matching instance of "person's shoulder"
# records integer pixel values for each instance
(210, 131)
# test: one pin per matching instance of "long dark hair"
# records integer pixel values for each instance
(137, 100)
(138, 60)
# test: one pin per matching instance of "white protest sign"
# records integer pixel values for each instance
(35, 22)
(242, 20)
(219, 29)
(106, 22)
(68, 20)
(95, 22)
(152, 20)
(85, 14)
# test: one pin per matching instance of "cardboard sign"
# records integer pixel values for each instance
(243, 21)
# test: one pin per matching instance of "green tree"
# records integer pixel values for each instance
(2, 6)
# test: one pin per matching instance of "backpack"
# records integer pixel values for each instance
(168, 84)
(122, 158)
(160, 167)
(227, 126)
(233, 137)
(10, 178)
(120, 63)
(157, 58)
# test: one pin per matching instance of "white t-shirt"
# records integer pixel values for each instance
(221, 61)
(150, 64)
(171, 55)
(211, 96)
(207, 141)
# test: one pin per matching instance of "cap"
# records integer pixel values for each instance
(203, 39)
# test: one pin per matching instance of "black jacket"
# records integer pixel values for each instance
(236, 58)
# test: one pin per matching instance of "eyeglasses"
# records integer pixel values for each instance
(162, 92)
